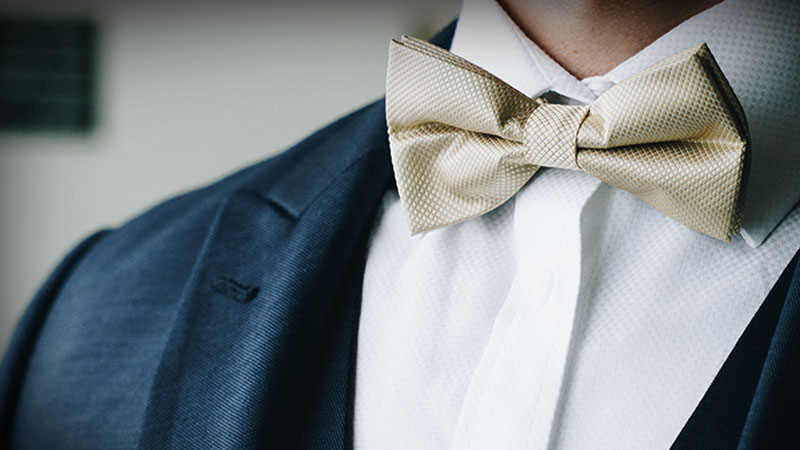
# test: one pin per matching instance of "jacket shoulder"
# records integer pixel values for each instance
(106, 316)
(191, 212)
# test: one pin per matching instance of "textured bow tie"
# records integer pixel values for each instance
(463, 142)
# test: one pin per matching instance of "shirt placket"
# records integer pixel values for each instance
(513, 397)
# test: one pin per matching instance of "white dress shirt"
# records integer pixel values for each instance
(576, 316)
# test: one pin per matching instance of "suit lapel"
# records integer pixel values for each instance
(261, 350)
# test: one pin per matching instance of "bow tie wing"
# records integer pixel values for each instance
(463, 142)
(455, 135)
(675, 136)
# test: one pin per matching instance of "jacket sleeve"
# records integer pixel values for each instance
(15, 362)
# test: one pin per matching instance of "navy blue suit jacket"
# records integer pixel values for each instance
(227, 318)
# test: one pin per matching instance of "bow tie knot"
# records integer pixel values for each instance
(463, 142)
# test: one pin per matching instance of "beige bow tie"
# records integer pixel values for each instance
(463, 142)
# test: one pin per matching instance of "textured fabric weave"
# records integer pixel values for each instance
(642, 353)
(463, 141)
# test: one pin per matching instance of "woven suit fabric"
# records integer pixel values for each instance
(463, 142)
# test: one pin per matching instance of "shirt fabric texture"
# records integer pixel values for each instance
(575, 315)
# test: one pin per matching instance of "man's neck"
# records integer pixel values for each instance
(591, 37)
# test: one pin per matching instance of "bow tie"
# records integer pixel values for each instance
(463, 142)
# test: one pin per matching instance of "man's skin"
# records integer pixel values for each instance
(591, 37)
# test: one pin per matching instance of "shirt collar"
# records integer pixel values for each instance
(754, 44)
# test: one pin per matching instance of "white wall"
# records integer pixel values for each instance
(189, 91)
